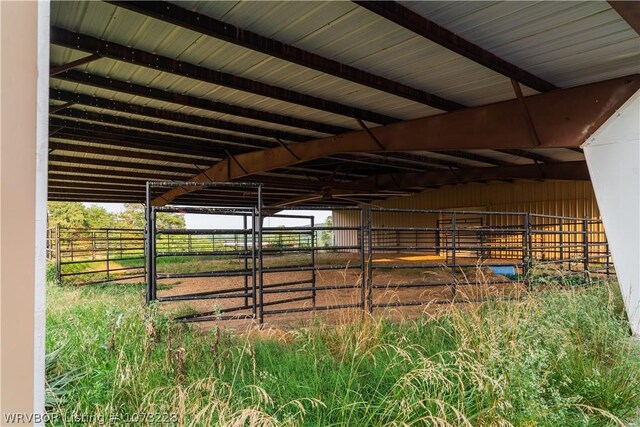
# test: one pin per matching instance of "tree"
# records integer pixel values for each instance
(133, 216)
(66, 214)
(98, 217)
(326, 236)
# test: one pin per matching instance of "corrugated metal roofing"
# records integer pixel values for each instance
(565, 43)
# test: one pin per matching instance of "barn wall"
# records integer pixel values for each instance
(564, 198)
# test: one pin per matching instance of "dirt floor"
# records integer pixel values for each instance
(390, 286)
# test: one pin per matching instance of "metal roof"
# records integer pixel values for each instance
(98, 145)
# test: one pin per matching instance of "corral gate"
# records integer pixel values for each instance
(255, 271)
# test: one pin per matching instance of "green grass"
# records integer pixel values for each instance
(558, 358)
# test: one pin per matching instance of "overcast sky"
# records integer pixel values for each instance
(220, 221)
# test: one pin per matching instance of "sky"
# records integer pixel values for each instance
(222, 221)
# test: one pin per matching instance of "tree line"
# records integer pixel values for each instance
(77, 215)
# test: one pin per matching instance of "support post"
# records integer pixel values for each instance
(362, 261)
(244, 257)
(369, 275)
(253, 263)
(148, 250)
(526, 247)
(313, 261)
(107, 252)
(454, 236)
(260, 259)
(585, 247)
(58, 261)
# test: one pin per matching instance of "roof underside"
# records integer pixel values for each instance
(190, 100)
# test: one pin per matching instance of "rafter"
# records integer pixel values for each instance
(57, 69)
(561, 171)
(629, 11)
(71, 40)
(122, 164)
(174, 116)
(529, 155)
(566, 117)
(217, 146)
(224, 31)
(424, 27)
(195, 102)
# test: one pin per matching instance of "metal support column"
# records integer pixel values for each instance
(526, 253)
(369, 273)
(363, 295)
(260, 259)
(58, 261)
(585, 245)
(245, 258)
(313, 261)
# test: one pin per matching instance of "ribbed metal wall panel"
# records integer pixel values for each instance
(562, 198)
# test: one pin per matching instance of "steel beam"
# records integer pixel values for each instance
(108, 151)
(195, 102)
(629, 11)
(224, 31)
(560, 171)
(214, 140)
(54, 70)
(529, 155)
(158, 113)
(565, 117)
(422, 26)
(83, 42)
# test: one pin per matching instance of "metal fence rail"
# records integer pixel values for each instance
(96, 255)
(394, 258)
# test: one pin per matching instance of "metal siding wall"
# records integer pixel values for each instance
(566, 198)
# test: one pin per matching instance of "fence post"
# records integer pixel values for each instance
(147, 246)
(108, 254)
(561, 243)
(454, 288)
(253, 263)
(606, 248)
(313, 261)
(369, 272)
(363, 294)
(585, 244)
(93, 245)
(260, 273)
(244, 257)
(58, 261)
(526, 248)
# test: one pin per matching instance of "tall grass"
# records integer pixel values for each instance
(558, 358)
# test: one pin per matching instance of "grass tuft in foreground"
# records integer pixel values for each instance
(558, 358)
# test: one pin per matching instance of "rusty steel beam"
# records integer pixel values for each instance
(83, 42)
(83, 136)
(529, 155)
(224, 31)
(215, 146)
(629, 11)
(558, 171)
(397, 13)
(242, 143)
(55, 70)
(195, 102)
(565, 117)
(475, 157)
(58, 158)
(109, 151)
(158, 113)
(110, 174)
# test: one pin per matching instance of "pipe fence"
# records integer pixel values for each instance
(240, 269)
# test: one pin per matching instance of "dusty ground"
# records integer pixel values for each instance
(386, 290)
